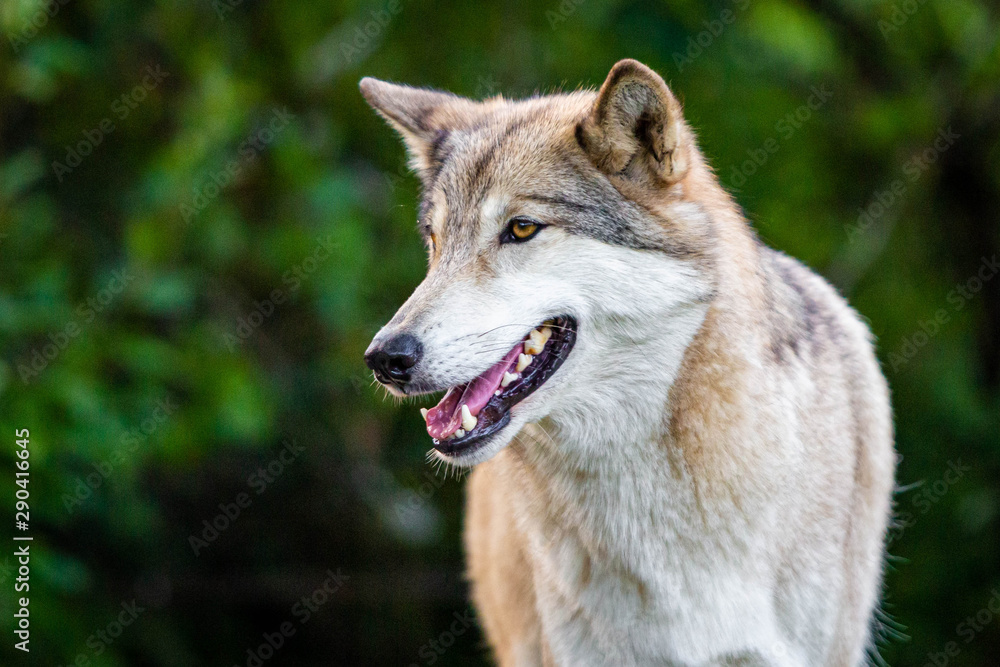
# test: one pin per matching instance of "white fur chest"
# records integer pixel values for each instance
(627, 569)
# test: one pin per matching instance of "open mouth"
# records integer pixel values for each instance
(470, 413)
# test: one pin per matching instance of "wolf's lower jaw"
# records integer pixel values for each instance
(471, 415)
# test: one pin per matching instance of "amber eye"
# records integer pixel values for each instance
(520, 229)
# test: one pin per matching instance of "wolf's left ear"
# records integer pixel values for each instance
(635, 127)
(421, 116)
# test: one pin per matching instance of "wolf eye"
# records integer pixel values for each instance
(520, 229)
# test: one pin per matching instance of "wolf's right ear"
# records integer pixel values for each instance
(635, 128)
(421, 116)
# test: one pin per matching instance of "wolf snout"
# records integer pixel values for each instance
(392, 358)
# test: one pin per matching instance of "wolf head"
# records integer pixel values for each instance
(569, 260)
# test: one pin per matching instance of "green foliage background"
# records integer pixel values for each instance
(360, 498)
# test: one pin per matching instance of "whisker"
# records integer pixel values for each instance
(489, 331)
(512, 324)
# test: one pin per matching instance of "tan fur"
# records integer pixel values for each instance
(770, 460)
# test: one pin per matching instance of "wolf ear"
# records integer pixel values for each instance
(635, 127)
(421, 116)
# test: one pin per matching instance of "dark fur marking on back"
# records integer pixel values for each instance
(813, 321)
(790, 329)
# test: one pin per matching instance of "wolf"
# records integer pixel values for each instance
(682, 439)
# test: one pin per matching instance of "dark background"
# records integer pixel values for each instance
(313, 228)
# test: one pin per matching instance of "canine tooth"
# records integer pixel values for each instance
(546, 335)
(459, 433)
(423, 413)
(535, 342)
(497, 392)
(507, 379)
(522, 361)
(468, 421)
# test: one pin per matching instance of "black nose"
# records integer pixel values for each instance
(393, 359)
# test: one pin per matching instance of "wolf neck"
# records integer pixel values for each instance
(579, 469)
(612, 436)
(598, 420)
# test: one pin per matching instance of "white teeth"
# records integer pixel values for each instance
(522, 361)
(507, 379)
(423, 413)
(497, 392)
(459, 433)
(536, 341)
(546, 334)
(468, 421)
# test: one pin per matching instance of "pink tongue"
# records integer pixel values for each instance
(446, 417)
